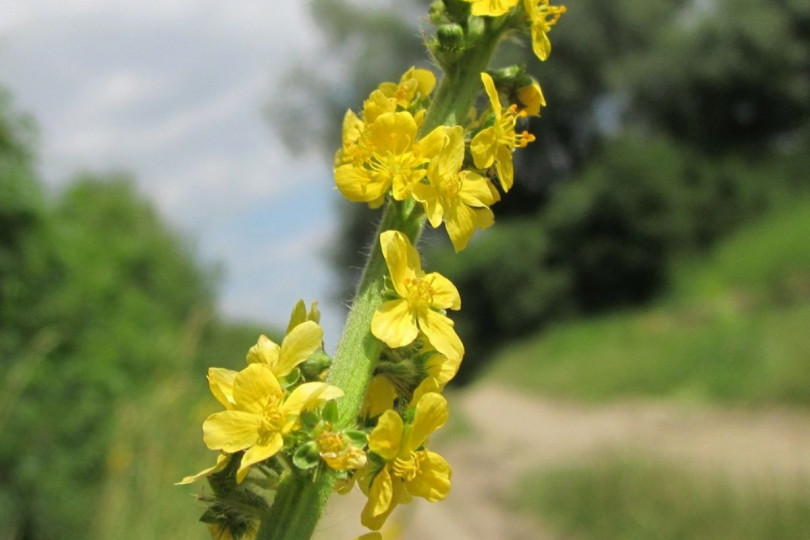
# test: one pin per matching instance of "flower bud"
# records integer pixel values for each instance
(451, 36)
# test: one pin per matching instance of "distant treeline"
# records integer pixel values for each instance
(668, 124)
(99, 300)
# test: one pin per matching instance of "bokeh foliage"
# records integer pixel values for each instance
(101, 304)
(669, 124)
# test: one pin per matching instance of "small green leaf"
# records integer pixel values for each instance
(309, 419)
(330, 412)
(356, 437)
(306, 456)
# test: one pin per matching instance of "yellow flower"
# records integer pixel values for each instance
(496, 143)
(440, 371)
(351, 150)
(460, 199)
(300, 315)
(380, 397)
(422, 299)
(531, 98)
(491, 8)
(415, 84)
(302, 341)
(388, 156)
(338, 452)
(261, 415)
(408, 470)
(220, 382)
(542, 17)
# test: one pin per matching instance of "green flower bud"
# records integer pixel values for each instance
(451, 36)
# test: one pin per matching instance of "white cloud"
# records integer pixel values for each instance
(173, 92)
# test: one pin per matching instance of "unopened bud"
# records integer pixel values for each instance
(451, 36)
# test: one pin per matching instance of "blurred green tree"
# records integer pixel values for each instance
(669, 123)
(98, 299)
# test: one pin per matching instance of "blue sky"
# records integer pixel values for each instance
(173, 92)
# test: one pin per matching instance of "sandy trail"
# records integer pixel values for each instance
(511, 433)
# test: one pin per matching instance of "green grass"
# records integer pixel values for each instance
(621, 498)
(736, 328)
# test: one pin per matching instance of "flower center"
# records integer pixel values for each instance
(330, 442)
(272, 419)
(420, 293)
(505, 130)
(407, 468)
(450, 185)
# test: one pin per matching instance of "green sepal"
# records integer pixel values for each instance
(356, 437)
(306, 456)
(313, 367)
(330, 412)
(309, 420)
(292, 378)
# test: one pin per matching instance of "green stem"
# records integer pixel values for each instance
(299, 501)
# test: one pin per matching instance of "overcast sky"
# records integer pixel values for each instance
(173, 92)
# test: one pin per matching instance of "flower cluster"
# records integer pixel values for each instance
(281, 417)
(448, 171)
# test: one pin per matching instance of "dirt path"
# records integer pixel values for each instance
(511, 433)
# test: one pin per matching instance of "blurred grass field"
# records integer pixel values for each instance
(622, 497)
(733, 329)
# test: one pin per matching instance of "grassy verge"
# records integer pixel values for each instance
(622, 498)
(734, 329)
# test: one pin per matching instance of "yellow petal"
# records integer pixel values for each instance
(541, 45)
(401, 258)
(429, 195)
(385, 438)
(370, 536)
(358, 185)
(378, 103)
(380, 501)
(492, 93)
(220, 381)
(484, 218)
(309, 395)
(431, 414)
(394, 324)
(531, 97)
(445, 295)
(231, 431)
(352, 128)
(298, 345)
(460, 226)
(491, 8)
(431, 144)
(442, 368)
(264, 352)
(429, 384)
(483, 148)
(439, 331)
(379, 397)
(393, 132)
(425, 78)
(477, 190)
(298, 315)
(433, 480)
(257, 453)
(506, 174)
(452, 154)
(254, 387)
(222, 461)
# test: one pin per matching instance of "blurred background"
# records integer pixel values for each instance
(637, 323)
